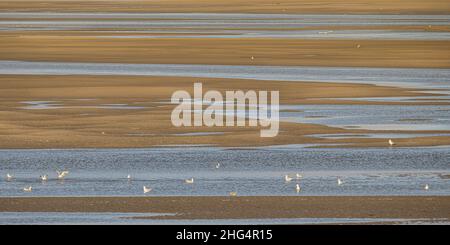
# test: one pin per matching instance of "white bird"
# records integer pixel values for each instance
(339, 181)
(147, 189)
(252, 58)
(27, 189)
(426, 187)
(287, 178)
(233, 193)
(299, 176)
(62, 174)
(358, 46)
(43, 177)
(391, 143)
(189, 181)
(297, 188)
(218, 165)
(129, 177)
(9, 177)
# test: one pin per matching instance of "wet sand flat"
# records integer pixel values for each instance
(251, 6)
(227, 26)
(84, 119)
(243, 207)
(222, 51)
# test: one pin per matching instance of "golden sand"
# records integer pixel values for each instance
(80, 125)
(223, 51)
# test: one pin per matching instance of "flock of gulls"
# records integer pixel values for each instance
(60, 175)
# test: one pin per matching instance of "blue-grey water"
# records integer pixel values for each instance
(372, 117)
(221, 25)
(248, 171)
(398, 77)
(39, 218)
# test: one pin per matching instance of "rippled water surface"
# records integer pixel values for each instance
(224, 25)
(372, 117)
(252, 171)
(17, 218)
(403, 77)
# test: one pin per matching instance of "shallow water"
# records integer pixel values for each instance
(217, 25)
(402, 77)
(403, 99)
(17, 218)
(338, 34)
(49, 105)
(76, 218)
(251, 171)
(372, 117)
(375, 135)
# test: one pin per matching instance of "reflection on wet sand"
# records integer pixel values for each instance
(373, 117)
(77, 218)
(197, 25)
(421, 79)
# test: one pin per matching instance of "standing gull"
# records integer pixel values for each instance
(27, 189)
(218, 165)
(391, 143)
(426, 187)
(299, 176)
(297, 188)
(9, 177)
(43, 177)
(339, 181)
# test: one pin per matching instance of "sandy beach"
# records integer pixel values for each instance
(73, 48)
(241, 207)
(81, 122)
